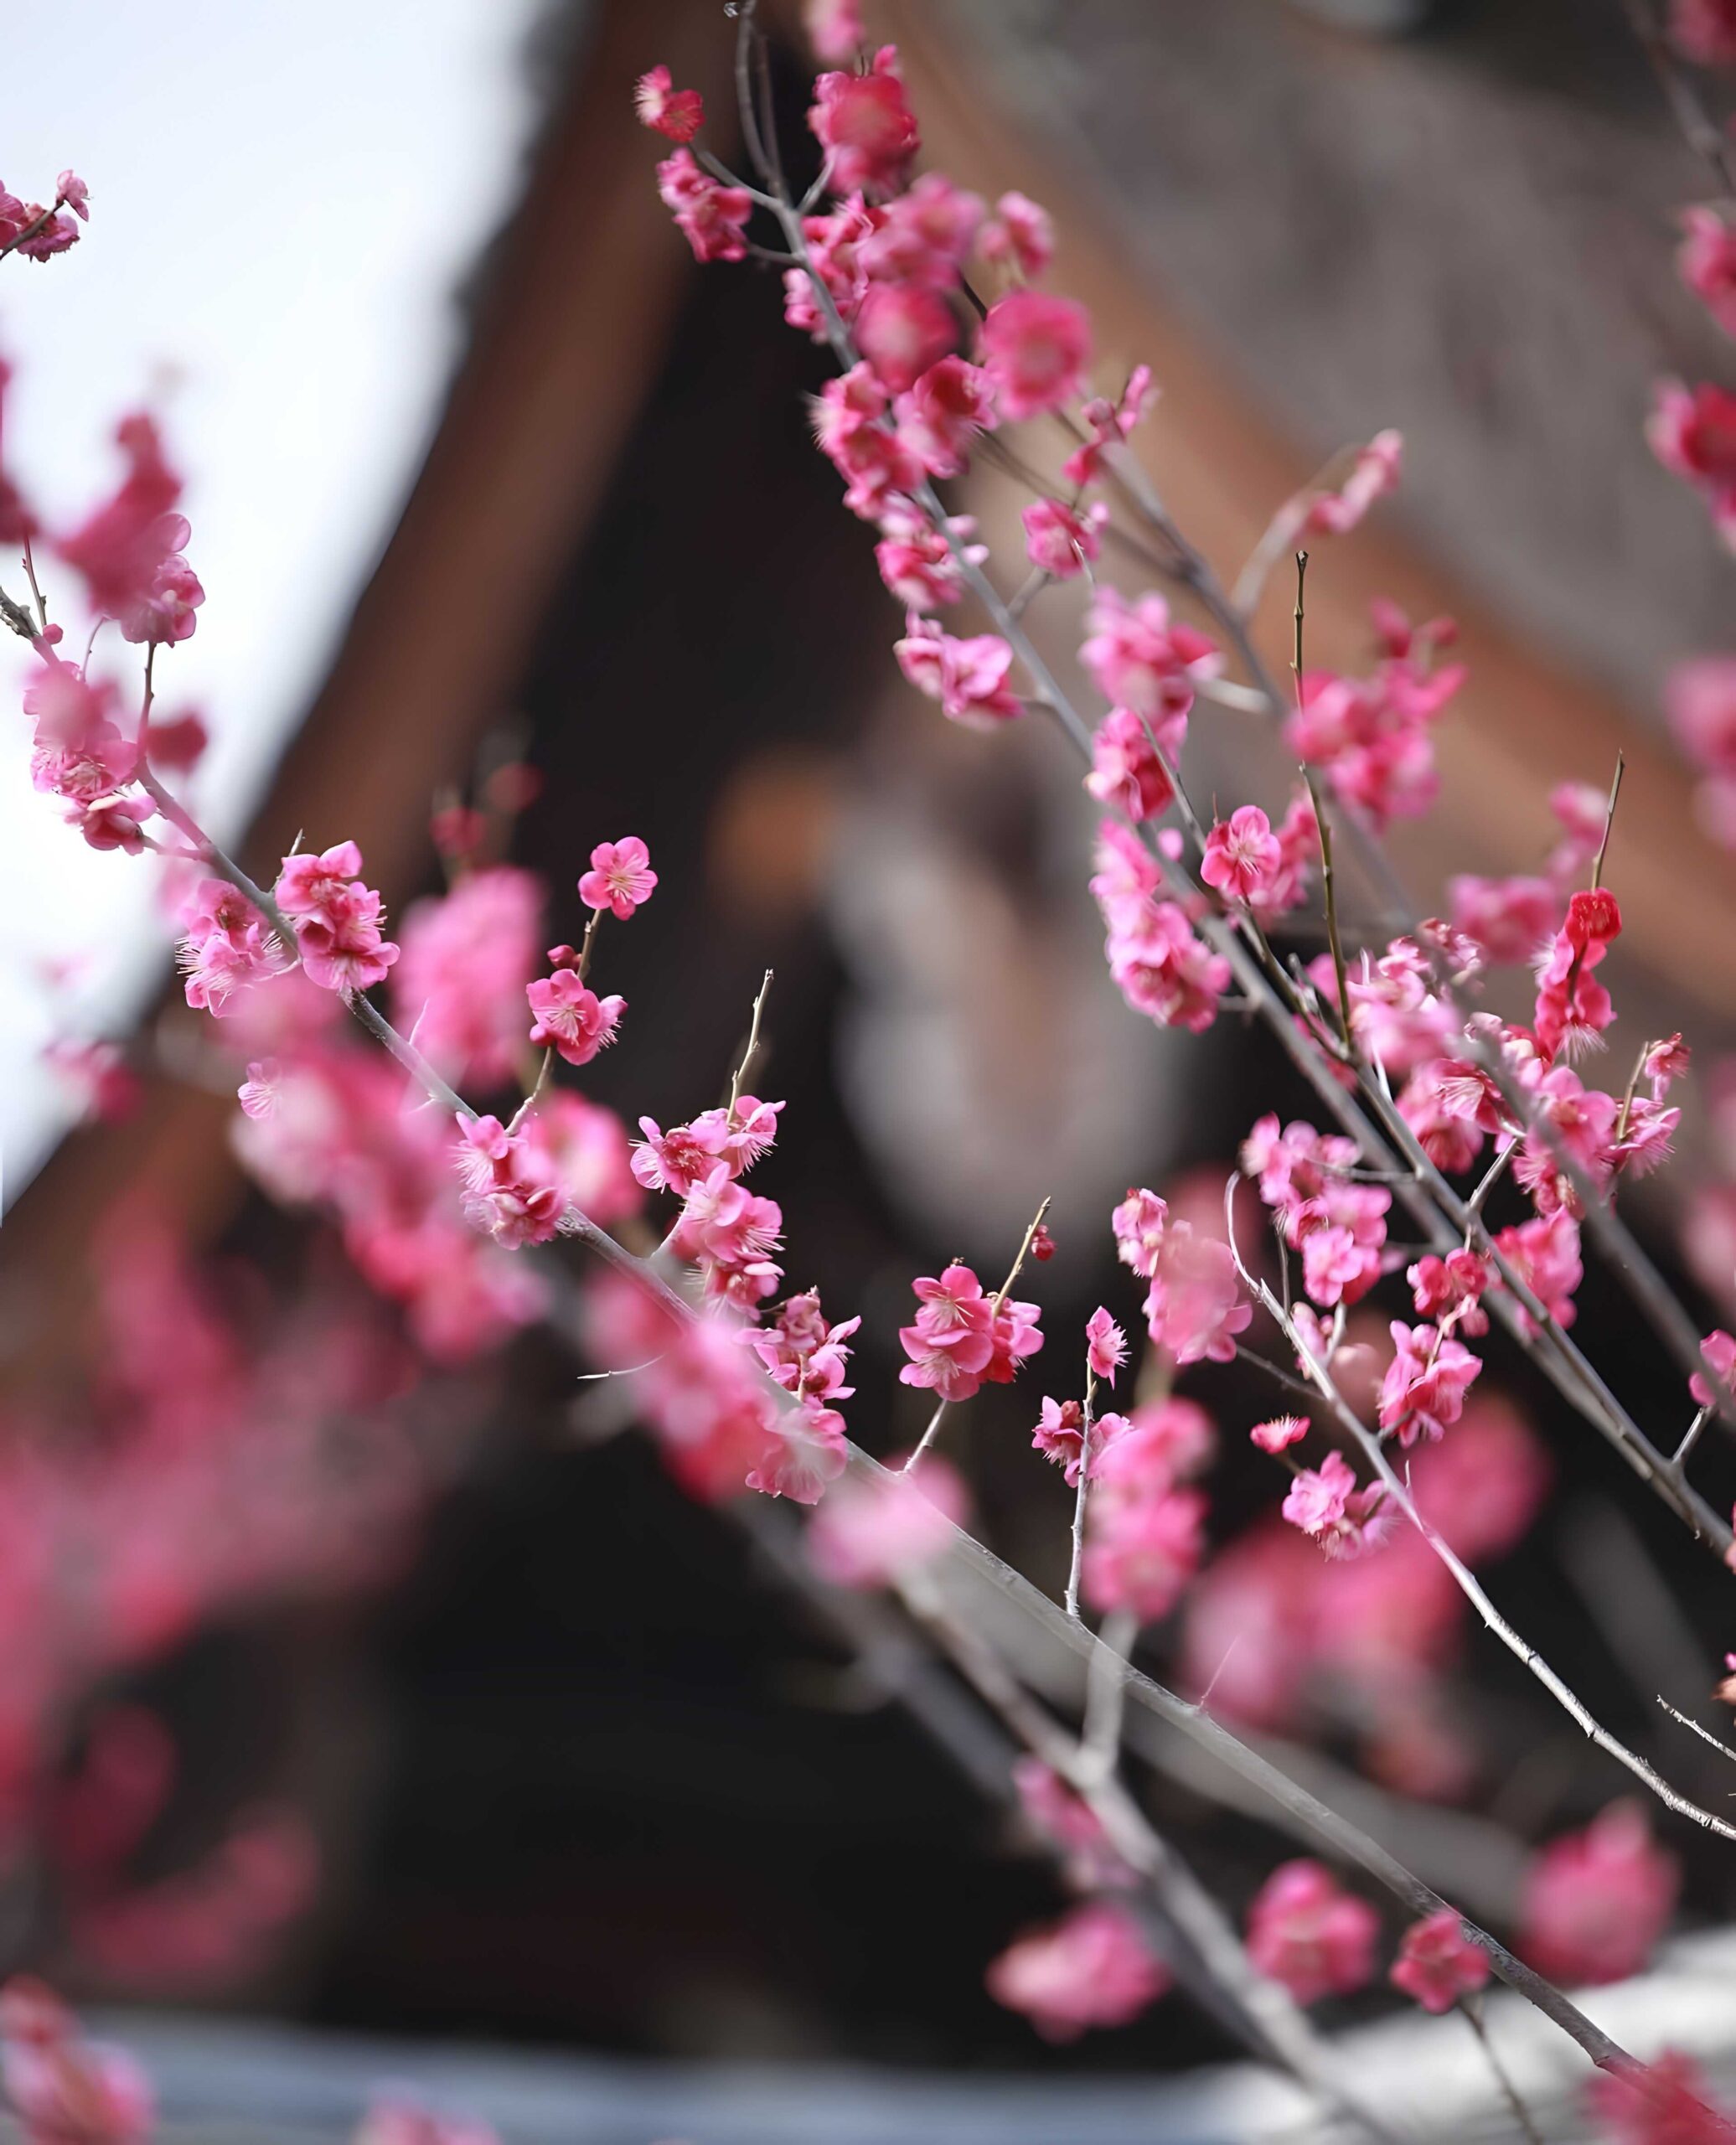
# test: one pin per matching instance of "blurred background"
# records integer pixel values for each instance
(378, 1677)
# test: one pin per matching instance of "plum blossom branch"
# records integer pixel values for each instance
(971, 1562)
(1265, 2012)
(369, 1014)
(1573, 1375)
(1398, 1494)
(1259, 2012)
(1472, 2008)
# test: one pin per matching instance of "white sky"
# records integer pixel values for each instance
(283, 199)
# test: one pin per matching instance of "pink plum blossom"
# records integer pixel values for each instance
(119, 547)
(1424, 1390)
(1707, 263)
(1544, 1253)
(1306, 1932)
(1374, 473)
(571, 1018)
(835, 29)
(465, 959)
(1704, 31)
(1139, 658)
(1091, 1969)
(865, 125)
(1105, 1346)
(1060, 542)
(711, 217)
(1035, 349)
(806, 1451)
(924, 236)
(1020, 235)
(508, 1193)
(1060, 1435)
(1193, 1306)
(967, 677)
(1143, 1547)
(902, 330)
(677, 113)
(1325, 1504)
(1438, 1963)
(1125, 767)
(871, 1532)
(941, 413)
(1240, 854)
(801, 1352)
(1719, 1350)
(225, 946)
(1282, 1430)
(960, 1339)
(1692, 432)
(64, 2090)
(1593, 1904)
(620, 879)
(1138, 1224)
(1109, 424)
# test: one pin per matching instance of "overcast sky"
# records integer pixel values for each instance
(283, 199)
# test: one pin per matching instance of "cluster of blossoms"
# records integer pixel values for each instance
(962, 1340)
(717, 1420)
(29, 228)
(128, 553)
(1193, 1307)
(1370, 736)
(1162, 966)
(336, 919)
(1338, 1225)
(727, 1232)
(1292, 1641)
(1146, 1522)
(1511, 920)
(1145, 1532)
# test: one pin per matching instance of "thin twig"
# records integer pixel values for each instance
(1472, 2008)
(1597, 867)
(1077, 1562)
(928, 1436)
(1705, 1734)
(1255, 1360)
(752, 1046)
(1690, 1439)
(1014, 1271)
